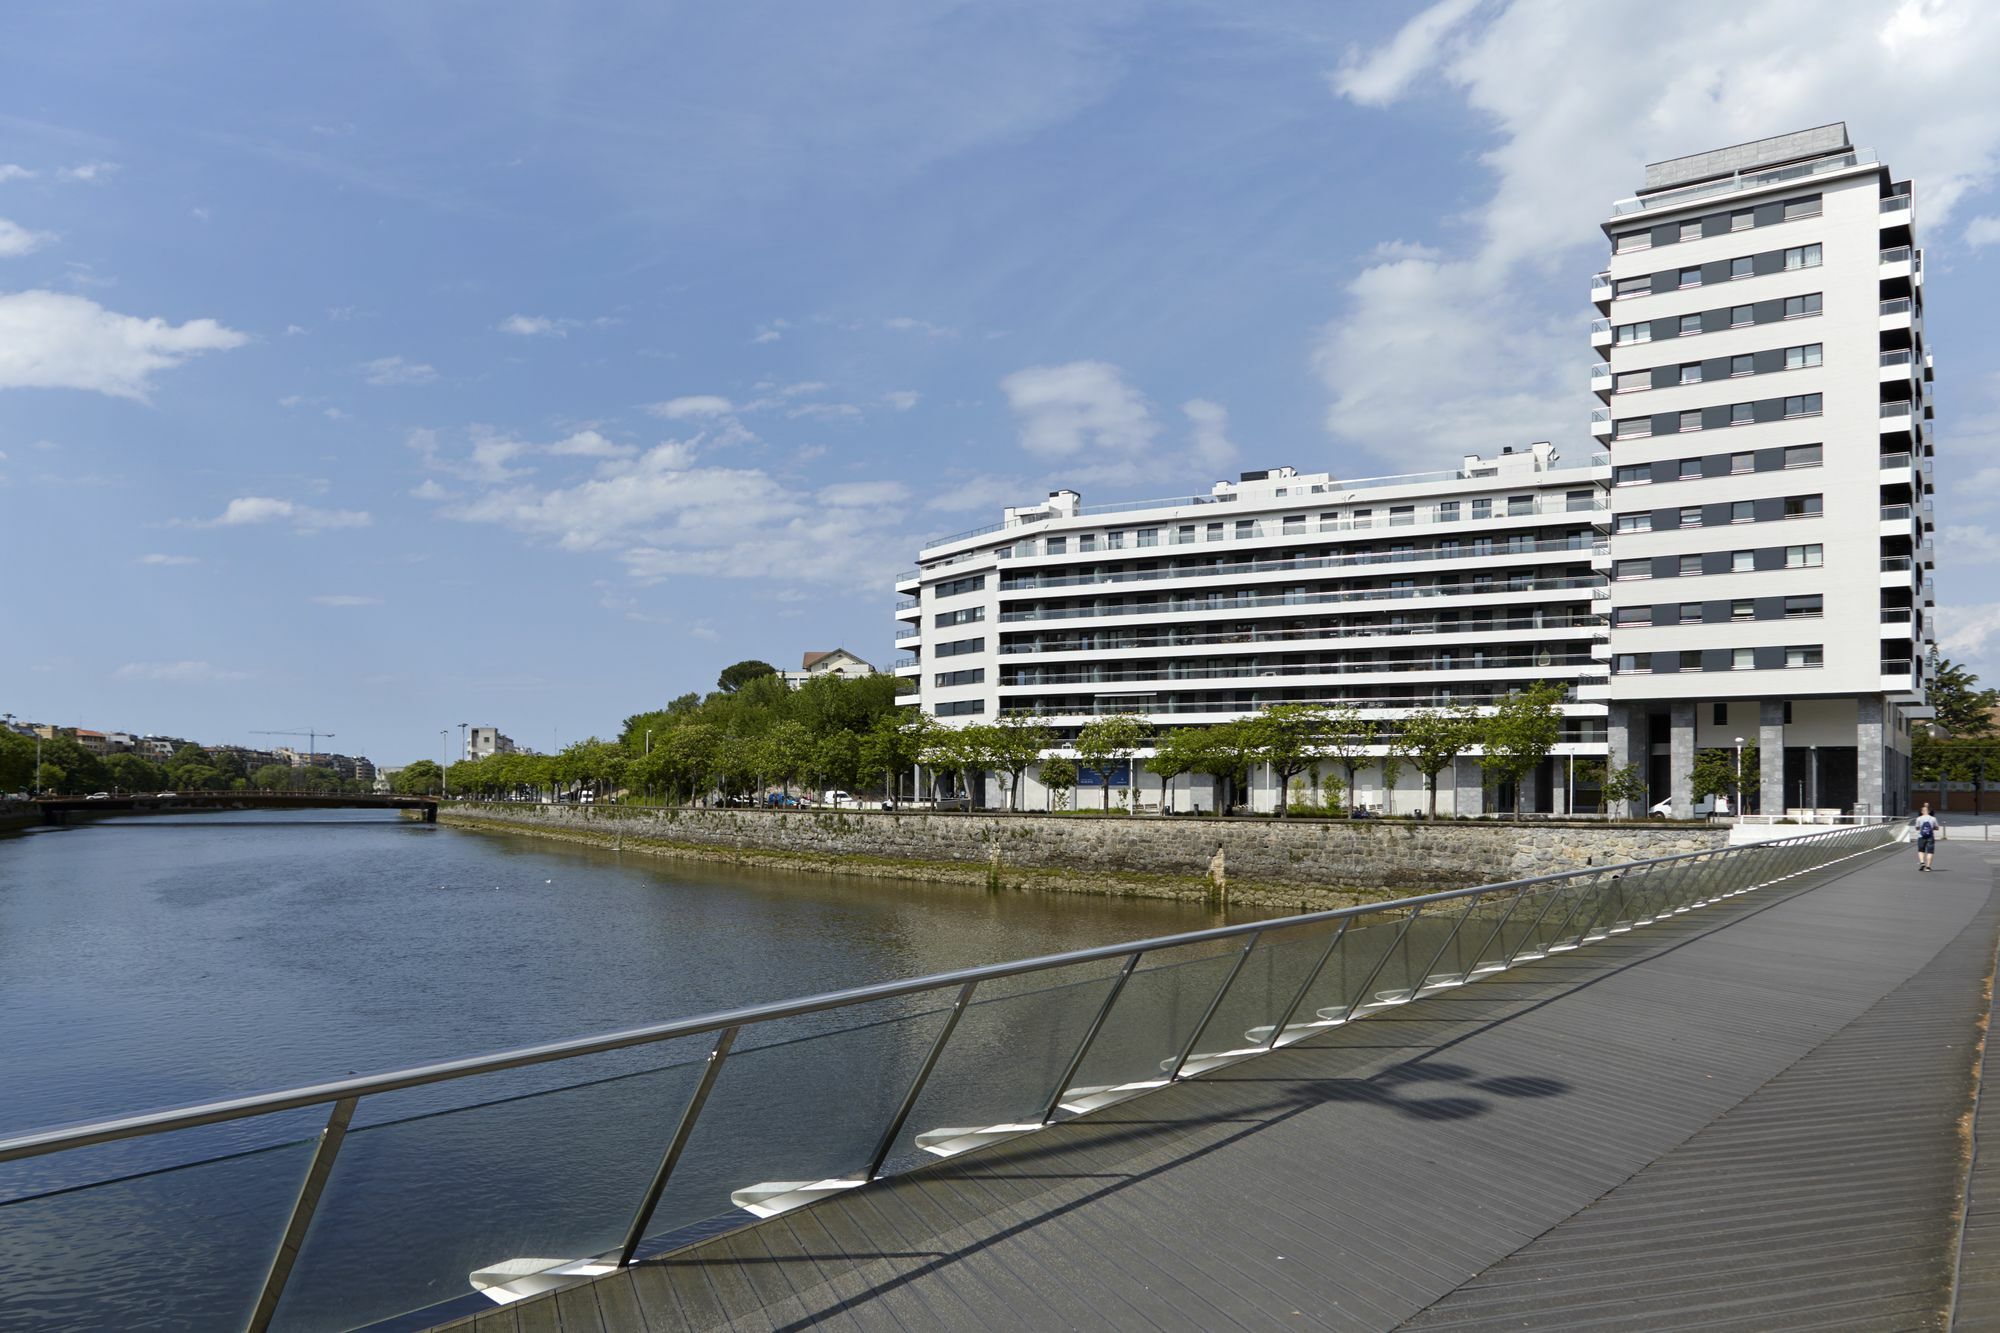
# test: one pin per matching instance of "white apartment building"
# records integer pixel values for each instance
(1390, 594)
(483, 741)
(1766, 389)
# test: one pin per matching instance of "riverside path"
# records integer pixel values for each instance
(1760, 1115)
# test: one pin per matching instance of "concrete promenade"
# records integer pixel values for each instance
(1752, 1116)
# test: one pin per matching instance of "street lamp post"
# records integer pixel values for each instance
(1739, 777)
(444, 744)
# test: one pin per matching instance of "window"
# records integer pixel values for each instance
(1719, 715)
(1691, 516)
(1690, 324)
(1448, 511)
(1631, 240)
(965, 617)
(1627, 664)
(1057, 545)
(1798, 358)
(1807, 207)
(1632, 569)
(1743, 219)
(1087, 542)
(1806, 655)
(1742, 659)
(1245, 528)
(1482, 509)
(1114, 541)
(957, 647)
(1804, 557)
(962, 708)
(1691, 419)
(1798, 306)
(1742, 462)
(1691, 372)
(1632, 474)
(1639, 286)
(1787, 716)
(1741, 267)
(1151, 536)
(1803, 455)
(1802, 405)
(1690, 469)
(1742, 562)
(1802, 256)
(1184, 535)
(1739, 315)
(973, 584)
(1743, 608)
(1633, 333)
(1295, 525)
(1635, 523)
(1802, 506)
(1212, 532)
(1632, 615)
(1690, 277)
(1742, 511)
(1689, 613)
(1804, 608)
(1741, 414)
(1742, 365)
(1690, 566)
(1691, 231)
(1632, 381)
(947, 678)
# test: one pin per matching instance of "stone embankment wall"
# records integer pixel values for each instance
(1289, 864)
(17, 815)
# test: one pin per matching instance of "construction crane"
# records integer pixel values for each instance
(312, 740)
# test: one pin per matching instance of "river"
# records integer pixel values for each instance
(147, 963)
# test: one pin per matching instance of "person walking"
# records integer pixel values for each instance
(1927, 826)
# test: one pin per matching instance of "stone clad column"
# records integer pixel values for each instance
(1771, 757)
(1468, 788)
(1868, 753)
(1618, 732)
(1680, 761)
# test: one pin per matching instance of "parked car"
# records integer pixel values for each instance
(837, 799)
(15, 796)
(98, 796)
(780, 798)
(169, 793)
(952, 803)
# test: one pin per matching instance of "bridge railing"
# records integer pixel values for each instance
(353, 1201)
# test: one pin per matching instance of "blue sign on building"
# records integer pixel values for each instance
(1121, 775)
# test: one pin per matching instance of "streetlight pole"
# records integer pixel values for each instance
(1739, 777)
(444, 744)
(463, 753)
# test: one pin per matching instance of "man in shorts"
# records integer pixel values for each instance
(1927, 826)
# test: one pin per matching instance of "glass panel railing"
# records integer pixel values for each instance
(1408, 963)
(1336, 994)
(170, 1246)
(1261, 996)
(517, 1183)
(1895, 203)
(1152, 1022)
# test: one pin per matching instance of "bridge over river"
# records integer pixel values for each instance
(1737, 1089)
(62, 809)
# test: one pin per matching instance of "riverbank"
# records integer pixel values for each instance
(1300, 865)
(16, 815)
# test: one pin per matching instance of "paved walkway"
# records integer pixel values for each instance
(1752, 1117)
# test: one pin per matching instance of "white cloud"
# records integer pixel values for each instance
(825, 411)
(766, 336)
(1212, 447)
(296, 400)
(1457, 345)
(396, 372)
(10, 172)
(256, 510)
(87, 171)
(847, 494)
(179, 673)
(531, 326)
(906, 324)
(294, 330)
(1982, 231)
(1971, 544)
(428, 489)
(981, 492)
(902, 399)
(691, 405)
(158, 559)
(589, 444)
(1082, 406)
(1968, 629)
(345, 599)
(16, 240)
(486, 461)
(804, 387)
(50, 340)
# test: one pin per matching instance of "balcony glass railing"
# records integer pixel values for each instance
(1538, 661)
(1895, 513)
(905, 604)
(1277, 636)
(1895, 615)
(1898, 255)
(542, 1166)
(1600, 326)
(1469, 551)
(1207, 605)
(1735, 184)
(1894, 463)
(1899, 306)
(1892, 563)
(1898, 667)
(1900, 357)
(1895, 203)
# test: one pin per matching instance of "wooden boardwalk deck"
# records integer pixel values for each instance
(1753, 1116)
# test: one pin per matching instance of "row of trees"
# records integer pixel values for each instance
(67, 769)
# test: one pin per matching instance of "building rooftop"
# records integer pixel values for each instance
(1798, 146)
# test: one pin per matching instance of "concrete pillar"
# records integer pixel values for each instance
(1868, 757)
(1621, 731)
(1771, 757)
(1468, 787)
(1680, 760)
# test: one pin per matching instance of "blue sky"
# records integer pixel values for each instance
(378, 367)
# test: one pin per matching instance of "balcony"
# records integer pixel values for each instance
(1894, 468)
(907, 637)
(1600, 422)
(1755, 180)
(1897, 263)
(1896, 314)
(1600, 333)
(910, 577)
(1600, 286)
(1895, 211)
(1896, 615)
(1600, 378)
(1897, 418)
(1896, 365)
(1900, 677)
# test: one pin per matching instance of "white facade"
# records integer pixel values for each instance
(1766, 401)
(836, 662)
(1389, 594)
(481, 742)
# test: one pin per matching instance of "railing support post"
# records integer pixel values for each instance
(1528, 938)
(314, 1185)
(1285, 1019)
(1498, 926)
(1214, 1004)
(1417, 984)
(909, 1102)
(1376, 971)
(1089, 1036)
(676, 1146)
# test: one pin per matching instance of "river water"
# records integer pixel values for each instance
(147, 963)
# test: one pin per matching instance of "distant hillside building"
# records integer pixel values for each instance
(834, 662)
(481, 742)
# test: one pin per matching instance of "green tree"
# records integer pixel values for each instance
(1432, 741)
(1519, 734)
(894, 745)
(690, 753)
(272, 777)
(132, 773)
(783, 752)
(1290, 738)
(418, 779)
(17, 761)
(1014, 745)
(1623, 786)
(1058, 774)
(1345, 741)
(1715, 773)
(735, 676)
(1963, 709)
(1225, 751)
(960, 750)
(1103, 743)
(1176, 751)
(836, 762)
